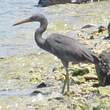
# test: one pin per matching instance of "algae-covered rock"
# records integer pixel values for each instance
(44, 3)
(101, 103)
(105, 55)
(80, 72)
(89, 89)
(90, 77)
(104, 90)
(78, 80)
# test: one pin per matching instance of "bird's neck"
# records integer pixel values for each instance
(38, 34)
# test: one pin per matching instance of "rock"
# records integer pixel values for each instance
(78, 80)
(101, 29)
(44, 3)
(2, 58)
(91, 37)
(36, 92)
(90, 77)
(108, 37)
(105, 55)
(41, 85)
(88, 26)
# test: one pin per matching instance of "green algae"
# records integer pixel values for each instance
(104, 90)
(81, 72)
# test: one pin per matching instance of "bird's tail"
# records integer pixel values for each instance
(102, 70)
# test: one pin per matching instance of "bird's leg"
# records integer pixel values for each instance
(67, 78)
(66, 81)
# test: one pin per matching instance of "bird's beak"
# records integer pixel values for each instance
(21, 22)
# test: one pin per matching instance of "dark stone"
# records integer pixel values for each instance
(42, 85)
(44, 3)
(101, 29)
(88, 26)
(79, 72)
(105, 56)
(35, 92)
(1, 58)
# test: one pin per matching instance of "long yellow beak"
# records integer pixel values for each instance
(21, 22)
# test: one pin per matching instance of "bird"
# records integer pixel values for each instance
(66, 49)
(44, 3)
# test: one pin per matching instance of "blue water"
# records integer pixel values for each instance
(17, 40)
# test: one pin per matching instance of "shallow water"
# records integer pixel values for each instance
(63, 18)
(13, 40)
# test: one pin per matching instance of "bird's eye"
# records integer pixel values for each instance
(33, 17)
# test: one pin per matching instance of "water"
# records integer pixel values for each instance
(16, 40)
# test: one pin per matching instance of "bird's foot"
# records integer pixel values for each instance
(66, 82)
(69, 93)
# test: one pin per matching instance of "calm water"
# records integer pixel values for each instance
(63, 18)
(17, 40)
(12, 40)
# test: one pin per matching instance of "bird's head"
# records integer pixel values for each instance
(33, 18)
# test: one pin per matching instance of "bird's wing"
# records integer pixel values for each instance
(67, 48)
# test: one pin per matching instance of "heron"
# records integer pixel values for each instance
(67, 49)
